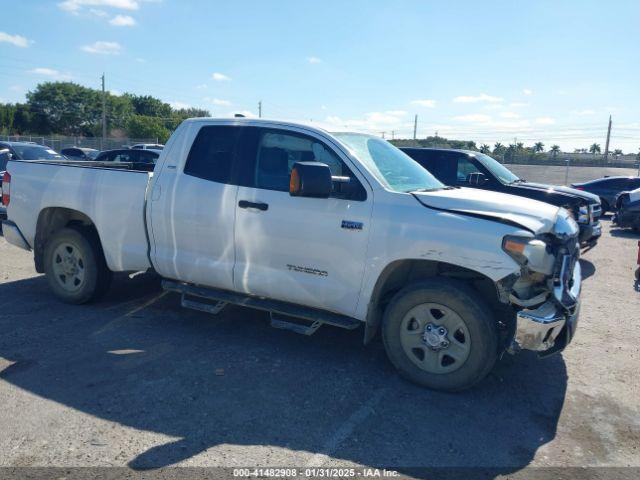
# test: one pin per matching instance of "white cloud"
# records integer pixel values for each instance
(583, 112)
(220, 77)
(98, 13)
(509, 115)
(179, 105)
(473, 117)
(50, 72)
(545, 121)
(202, 86)
(220, 102)
(518, 104)
(103, 48)
(483, 97)
(74, 6)
(141, 60)
(314, 60)
(527, 91)
(424, 103)
(122, 21)
(17, 88)
(17, 40)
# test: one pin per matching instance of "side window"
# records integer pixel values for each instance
(147, 157)
(465, 168)
(635, 183)
(212, 154)
(277, 152)
(122, 157)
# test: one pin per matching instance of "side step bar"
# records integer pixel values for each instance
(279, 310)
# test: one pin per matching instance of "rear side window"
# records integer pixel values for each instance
(213, 153)
(148, 157)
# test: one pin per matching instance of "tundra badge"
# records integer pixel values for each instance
(349, 225)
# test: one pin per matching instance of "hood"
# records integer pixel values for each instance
(538, 217)
(589, 197)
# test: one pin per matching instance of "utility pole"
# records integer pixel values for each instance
(382, 133)
(260, 109)
(606, 145)
(393, 134)
(415, 126)
(104, 115)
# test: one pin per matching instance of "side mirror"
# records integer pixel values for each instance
(310, 179)
(477, 179)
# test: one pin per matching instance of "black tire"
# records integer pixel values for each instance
(469, 306)
(96, 277)
(604, 205)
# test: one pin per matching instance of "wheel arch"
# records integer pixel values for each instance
(400, 273)
(52, 219)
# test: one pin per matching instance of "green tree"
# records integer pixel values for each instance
(594, 148)
(64, 107)
(617, 152)
(142, 126)
(149, 106)
(484, 148)
(538, 147)
(555, 149)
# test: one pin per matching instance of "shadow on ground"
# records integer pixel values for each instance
(625, 233)
(233, 380)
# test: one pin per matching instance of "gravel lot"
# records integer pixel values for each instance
(137, 381)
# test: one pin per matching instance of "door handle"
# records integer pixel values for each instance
(259, 205)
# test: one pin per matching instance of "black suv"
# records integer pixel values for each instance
(465, 168)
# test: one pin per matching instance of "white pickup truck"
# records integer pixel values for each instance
(316, 228)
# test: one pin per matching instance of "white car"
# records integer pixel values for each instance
(316, 228)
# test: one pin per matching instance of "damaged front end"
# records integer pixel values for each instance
(546, 292)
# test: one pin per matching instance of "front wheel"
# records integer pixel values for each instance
(439, 334)
(75, 267)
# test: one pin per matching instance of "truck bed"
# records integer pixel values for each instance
(111, 195)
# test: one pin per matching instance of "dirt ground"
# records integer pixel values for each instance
(136, 381)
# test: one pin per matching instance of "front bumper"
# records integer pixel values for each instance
(549, 328)
(589, 234)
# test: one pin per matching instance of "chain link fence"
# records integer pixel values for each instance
(58, 142)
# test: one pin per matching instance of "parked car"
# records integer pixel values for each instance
(30, 151)
(5, 155)
(628, 210)
(128, 155)
(608, 189)
(147, 146)
(80, 153)
(465, 168)
(315, 228)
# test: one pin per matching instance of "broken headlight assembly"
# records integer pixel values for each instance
(529, 251)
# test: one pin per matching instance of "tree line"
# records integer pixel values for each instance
(66, 108)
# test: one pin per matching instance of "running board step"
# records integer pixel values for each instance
(294, 324)
(188, 301)
(224, 297)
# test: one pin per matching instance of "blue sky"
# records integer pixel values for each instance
(486, 71)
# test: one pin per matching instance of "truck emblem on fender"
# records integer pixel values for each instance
(349, 225)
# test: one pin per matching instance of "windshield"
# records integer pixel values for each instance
(391, 167)
(36, 152)
(501, 172)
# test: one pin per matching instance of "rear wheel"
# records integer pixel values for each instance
(439, 333)
(75, 267)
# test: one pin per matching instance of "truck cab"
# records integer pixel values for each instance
(470, 169)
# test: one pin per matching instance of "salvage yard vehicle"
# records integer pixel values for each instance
(466, 168)
(608, 189)
(316, 228)
(628, 210)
